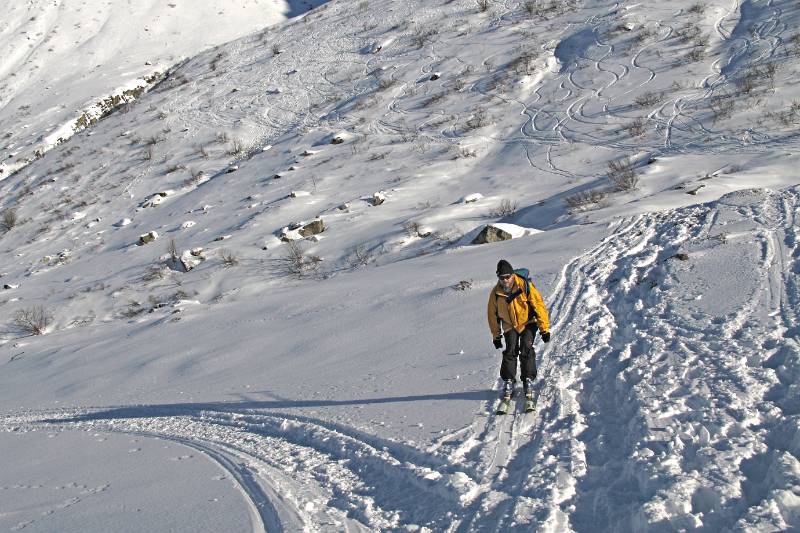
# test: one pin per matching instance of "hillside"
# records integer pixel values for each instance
(643, 155)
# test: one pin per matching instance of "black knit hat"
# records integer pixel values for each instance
(504, 268)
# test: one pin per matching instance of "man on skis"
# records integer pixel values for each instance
(516, 310)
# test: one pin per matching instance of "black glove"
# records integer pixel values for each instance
(546, 336)
(498, 342)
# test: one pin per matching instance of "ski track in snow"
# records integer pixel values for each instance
(629, 381)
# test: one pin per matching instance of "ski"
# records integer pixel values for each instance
(504, 407)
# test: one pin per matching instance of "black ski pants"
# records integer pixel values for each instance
(519, 345)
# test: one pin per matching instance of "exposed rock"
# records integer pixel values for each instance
(189, 260)
(378, 198)
(491, 234)
(313, 228)
(299, 194)
(435, 76)
(681, 256)
(232, 168)
(222, 238)
(471, 198)
(147, 238)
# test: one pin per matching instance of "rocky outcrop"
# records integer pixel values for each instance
(491, 234)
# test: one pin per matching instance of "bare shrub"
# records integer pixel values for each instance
(622, 175)
(696, 54)
(276, 49)
(202, 152)
(195, 177)
(32, 320)
(722, 106)
(386, 83)
(9, 219)
(697, 8)
(436, 98)
(505, 209)
(222, 137)
(415, 229)
(174, 168)
(237, 148)
(479, 119)
(636, 128)
(172, 250)
(422, 36)
(524, 64)
(463, 285)
(529, 8)
(228, 258)
(483, 5)
(647, 99)
(295, 263)
(464, 152)
(583, 200)
(360, 256)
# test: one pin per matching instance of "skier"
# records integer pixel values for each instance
(516, 310)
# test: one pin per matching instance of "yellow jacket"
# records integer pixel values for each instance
(515, 314)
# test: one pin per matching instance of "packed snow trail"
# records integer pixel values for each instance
(667, 400)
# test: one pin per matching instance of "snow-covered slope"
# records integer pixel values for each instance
(345, 380)
(63, 60)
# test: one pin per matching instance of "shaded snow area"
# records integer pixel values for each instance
(248, 293)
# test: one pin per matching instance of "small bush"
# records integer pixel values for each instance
(635, 128)
(697, 8)
(505, 209)
(622, 175)
(295, 263)
(584, 199)
(483, 5)
(33, 320)
(479, 119)
(696, 54)
(228, 258)
(386, 83)
(172, 250)
(722, 106)
(237, 148)
(9, 219)
(647, 99)
(360, 256)
(529, 8)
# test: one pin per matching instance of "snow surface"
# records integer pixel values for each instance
(347, 381)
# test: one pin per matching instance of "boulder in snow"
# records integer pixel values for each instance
(471, 198)
(502, 232)
(189, 259)
(148, 237)
(312, 228)
(341, 137)
(378, 198)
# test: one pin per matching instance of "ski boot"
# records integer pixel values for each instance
(530, 402)
(505, 400)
